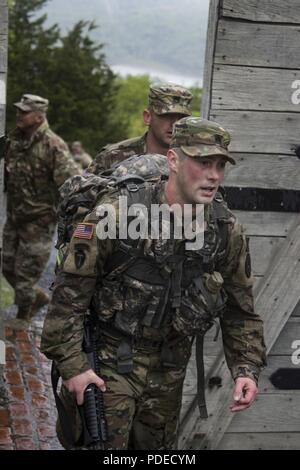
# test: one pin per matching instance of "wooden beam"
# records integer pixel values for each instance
(209, 56)
(262, 250)
(3, 18)
(260, 132)
(263, 199)
(274, 363)
(3, 68)
(261, 45)
(276, 297)
(2, 120)
(287, 11)
(272, 412)
(2, 89)
(290, 333)
(254, 88)
(3, 52)
(296, 312)
(266, 224)
(260, 441)
(264, 171)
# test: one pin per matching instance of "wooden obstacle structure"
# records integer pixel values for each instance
(251, 82)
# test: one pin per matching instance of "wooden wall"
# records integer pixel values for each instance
(252, 63)
(274, 420)
(3, 61)
(3, 69)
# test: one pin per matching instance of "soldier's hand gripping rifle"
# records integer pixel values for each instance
(93, 406)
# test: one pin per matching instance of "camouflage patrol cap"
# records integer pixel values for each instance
(197, 137)
(147, 166)
(170, 98)
(32, 103)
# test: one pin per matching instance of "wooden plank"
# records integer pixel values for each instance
(276, 297)
(2, 89)
(254, 88)
(279, 293)
(271, 413)
(260, 441)
(268, 224)
(264, 171)
(289, 334)
(262, 45)
(296, 312)
(209, 57)
(260, 132)
(2, 119)
(262, 250)
(276, 11)
(3, 20)
(3, 52)
(274, 363)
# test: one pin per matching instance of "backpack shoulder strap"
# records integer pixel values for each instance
(223, 217)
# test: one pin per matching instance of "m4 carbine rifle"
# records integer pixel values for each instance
(94, 427)
(95, 432)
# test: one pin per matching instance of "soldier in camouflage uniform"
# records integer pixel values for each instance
(37, 163)
(167, 104)
(152, 296)
(80, 156)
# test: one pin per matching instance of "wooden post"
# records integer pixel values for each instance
(209, 57)
(3, 70)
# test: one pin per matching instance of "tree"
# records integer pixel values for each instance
(70, 70)
(131, 100)
(84, 96)
(30, 49)
(197, 98)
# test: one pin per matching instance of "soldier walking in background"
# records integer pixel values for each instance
(167, 104)
(37, 163)
(152, 295)
(80, 156)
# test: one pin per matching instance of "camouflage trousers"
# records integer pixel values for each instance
(142, 407)
(26, 249)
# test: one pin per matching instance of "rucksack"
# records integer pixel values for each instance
(80, 193)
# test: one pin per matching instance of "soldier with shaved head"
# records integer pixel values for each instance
(151, 294)
(167, 103)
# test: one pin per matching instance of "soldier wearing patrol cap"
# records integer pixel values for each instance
(167, 103)
(152, 295)
(37, 163)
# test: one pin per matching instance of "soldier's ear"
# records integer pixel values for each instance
(173, 160)
(39, 117)
(147, 117)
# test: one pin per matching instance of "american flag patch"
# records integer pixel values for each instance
(84, 231)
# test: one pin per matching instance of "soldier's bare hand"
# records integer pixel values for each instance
(244, 394)
(78, 384)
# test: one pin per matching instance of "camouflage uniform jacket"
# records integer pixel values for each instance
(114, 153)
(36, 168)
(82, 160)
(79, 284)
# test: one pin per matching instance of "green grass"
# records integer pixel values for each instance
(6, 293)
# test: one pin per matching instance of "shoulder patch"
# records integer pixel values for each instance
(85, 231)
